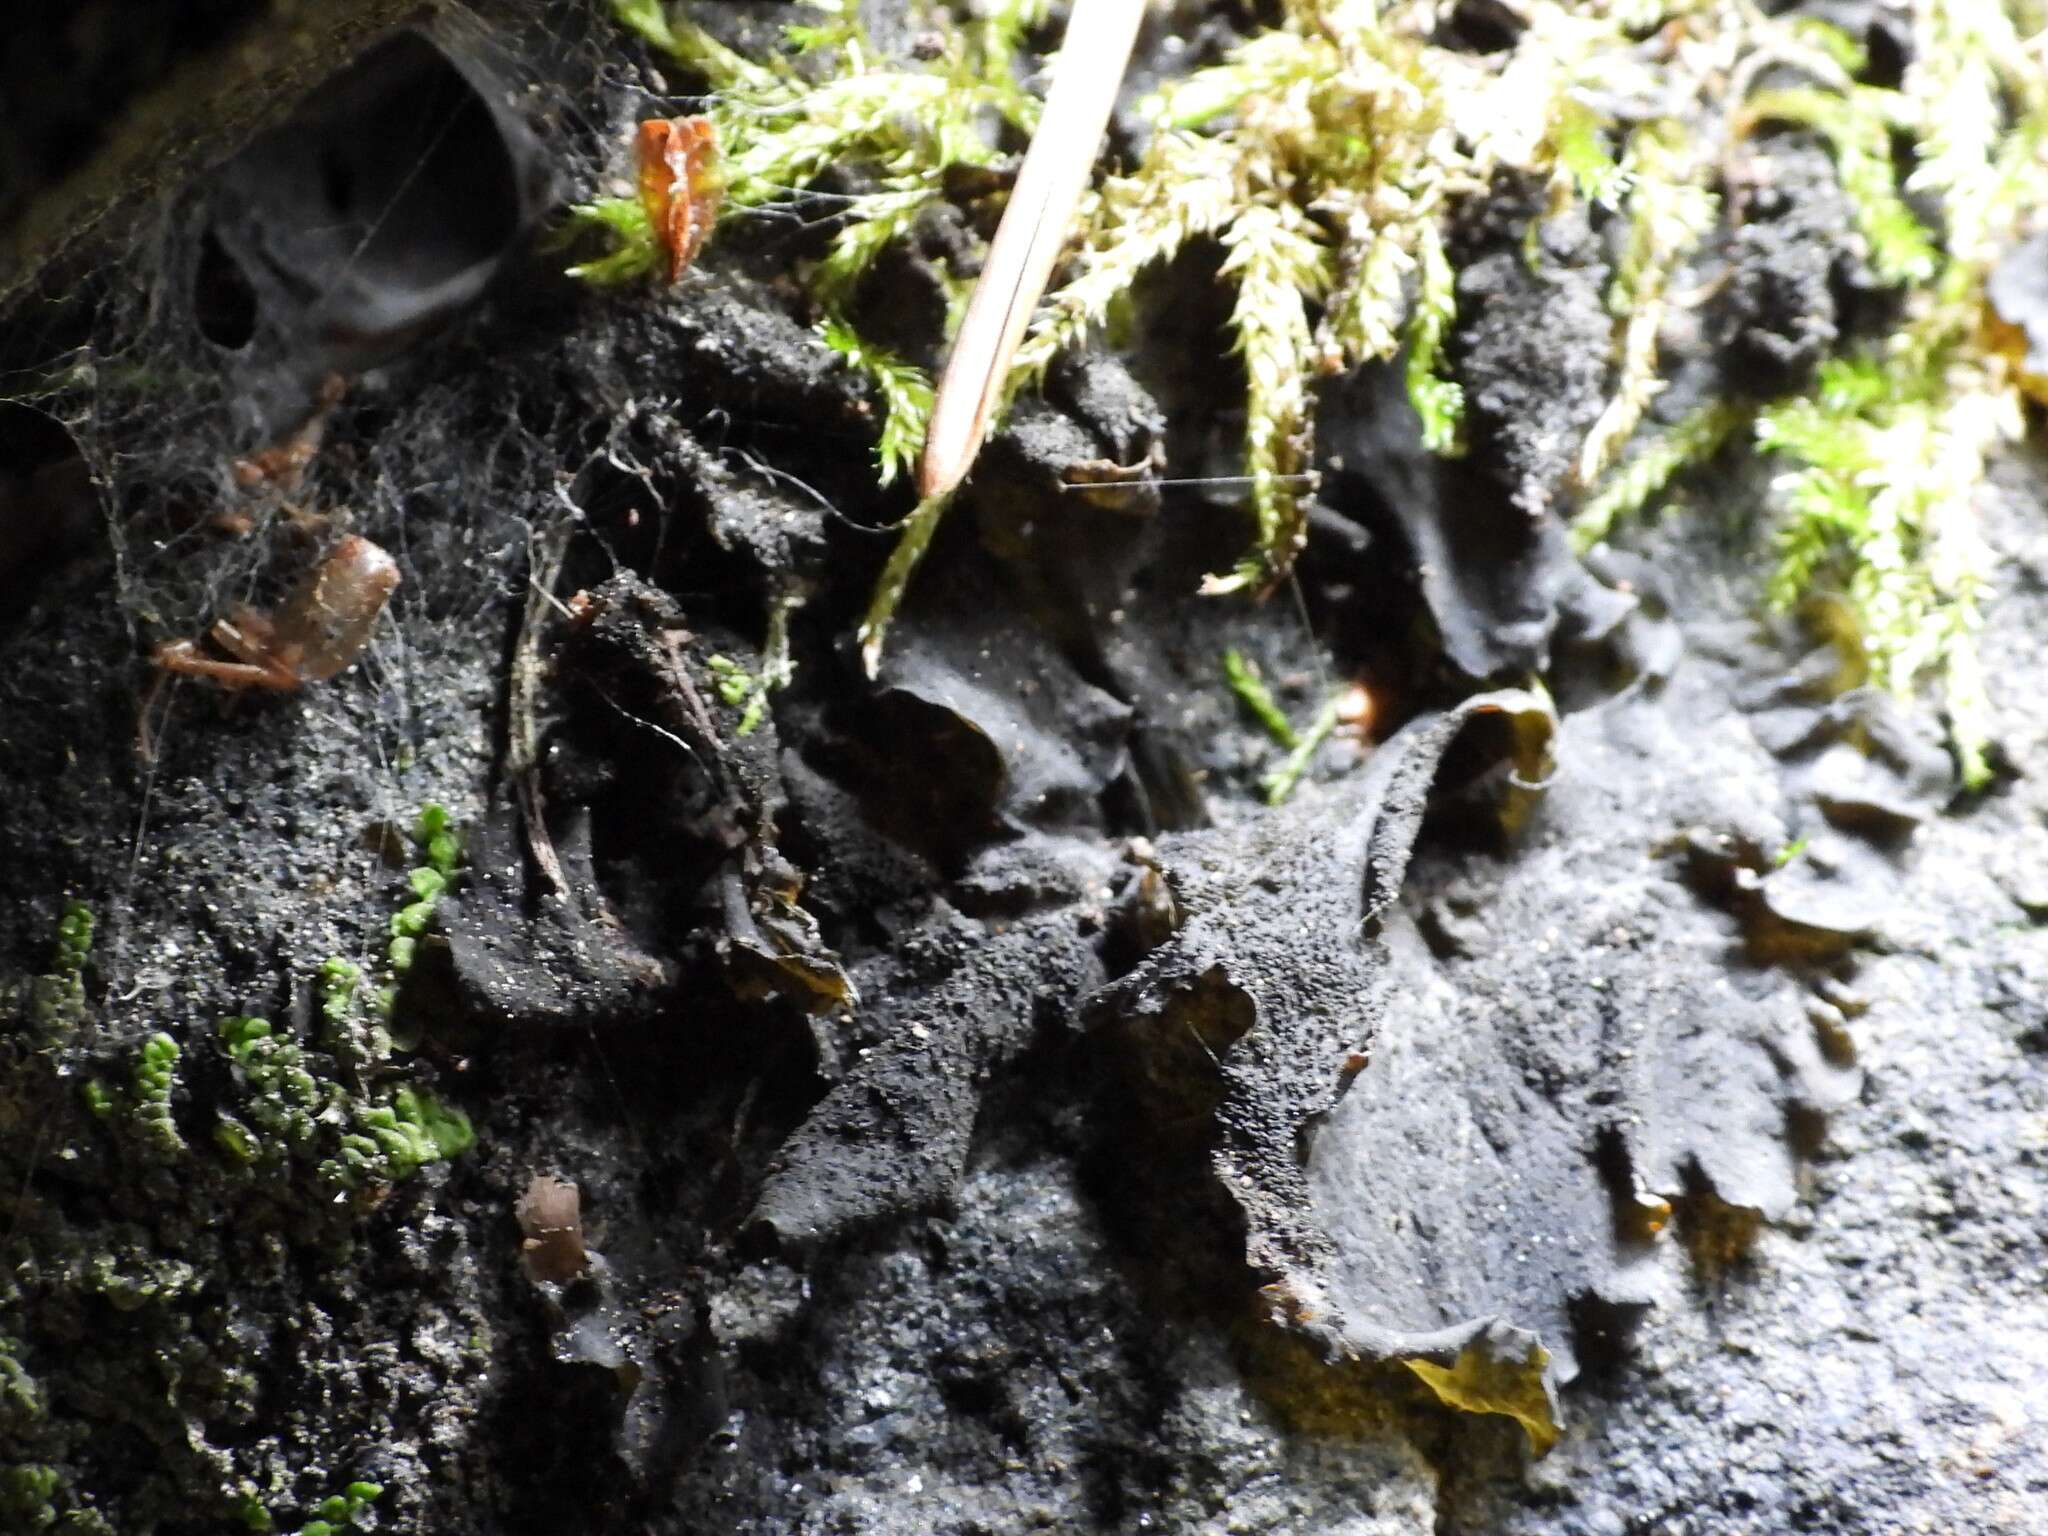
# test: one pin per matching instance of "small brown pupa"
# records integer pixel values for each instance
(551, 1215)
(679, 184)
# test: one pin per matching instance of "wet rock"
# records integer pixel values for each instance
(1051, 740)
(959, 1002)
(1493, 576)
(1266, 1002)
(1530, 1089)
(1576, 1048)
(516, 962)
(2022, 872)
(761, 1305)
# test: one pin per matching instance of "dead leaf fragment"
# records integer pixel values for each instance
(2018, 290)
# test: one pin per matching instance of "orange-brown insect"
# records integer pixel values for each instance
(679, 185)
(321, 629)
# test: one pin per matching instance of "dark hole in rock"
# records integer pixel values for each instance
(223, 302)
(1603, 1334)
(1806, 1127)
(337, 180)
(1491, 576)
(1884, 30)
(48, 512)
(377, 213)
(1468, 807)
(940, 814)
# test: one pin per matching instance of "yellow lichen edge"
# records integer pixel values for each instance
(1482, 1380)
(1531, 716)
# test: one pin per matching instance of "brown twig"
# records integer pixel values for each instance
(546, 550)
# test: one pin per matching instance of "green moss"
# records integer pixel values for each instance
(1302, 746)
(157, 1067)
(237, 1140)
(155, 1078)
(906, 394)
(1439, 401)
(394, 1140)
(740, 689)
(1659, 461)
(1280, 783)
(281, 1099)
(115, 1267)
(439, 844)
(1876, 506)
(618, 226)
(129, 1275)
(1253, 693)
(56, 1004)
(27, 1495)
(22, 1401)
(778, 128)
(341, 1510)
(905, 127)
(913, 538)
(74, 940)
(426, 885)
(1586, 166)
(288, 1114)
(337, 987)
(1857, 125)
(1885, 455)
(1322, 153)
(358, 1039)
(1669, 212)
